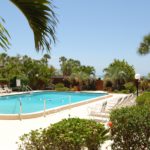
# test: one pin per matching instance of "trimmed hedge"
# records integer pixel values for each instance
(68, 134)
(130, 87)
(131, 128)
(143, 99)
(61, 87)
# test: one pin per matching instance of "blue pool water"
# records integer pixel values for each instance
(34, 102)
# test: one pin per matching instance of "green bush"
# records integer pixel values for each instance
(68, 134)
(130, 87)
(143, 99)
(108, 85)
(32, 141)
(121, 91)
(131, 128)
(61, 87)
(125, 91)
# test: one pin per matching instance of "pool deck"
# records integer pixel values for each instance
(11, 130)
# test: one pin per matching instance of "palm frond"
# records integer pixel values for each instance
(144, 47)
(4, 36)
(42, 21)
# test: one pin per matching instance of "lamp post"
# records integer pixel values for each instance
(137, 78)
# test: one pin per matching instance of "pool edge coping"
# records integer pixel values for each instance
(50, 111)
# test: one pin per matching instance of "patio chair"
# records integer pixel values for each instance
(97, 108)
(7, 89)
(2, 90)
(104, 111)
(114, 104)
(128, 100)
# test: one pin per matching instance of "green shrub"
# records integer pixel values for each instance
(143, 99)
(68, 134)
(131, 128)
(32, 141)
(116, 91)
(144, 84)
(125, 91)
(130, 87)
(121, 91)
(61, 87)
(108, 85)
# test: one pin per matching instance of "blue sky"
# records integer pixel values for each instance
(93, 31)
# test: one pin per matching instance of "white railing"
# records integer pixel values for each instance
(44, 107)
(20, 107)
(45, 103)
(27, 88)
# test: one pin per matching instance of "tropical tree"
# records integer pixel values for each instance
(148, 76)
(144, 47)
(4, 35)
(45, 58)
(35, 73)
(119, 72)
(80, 78)
(68, 66)
(3, 59)
(90, 70)
(144, 83)
(41, 19)
(39, 74)
(76, 73)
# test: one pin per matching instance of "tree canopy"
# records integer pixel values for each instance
(4, 36)
(42, 20)
(119, 72)
(71, 66)
(72, 70)
(144, 47)
(35, 73)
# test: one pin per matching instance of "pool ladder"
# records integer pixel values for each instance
(44, 109)
(20, 106)
(27, 88)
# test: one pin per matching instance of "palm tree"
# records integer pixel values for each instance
(41, 19)
(3, 59)
(119, 72)
(80, 77)
(4, 35)
(144, 47)
(45, 58)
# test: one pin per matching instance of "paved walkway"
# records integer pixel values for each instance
(10, 130)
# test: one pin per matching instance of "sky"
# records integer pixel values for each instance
(95, 32)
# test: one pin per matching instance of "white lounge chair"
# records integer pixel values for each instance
(114, 103)
(2, 90)
(98, 112)
(97, 109)
(7, 89)
(128, 100)
(102, 114)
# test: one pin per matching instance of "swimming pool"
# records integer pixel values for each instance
(38, 101)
